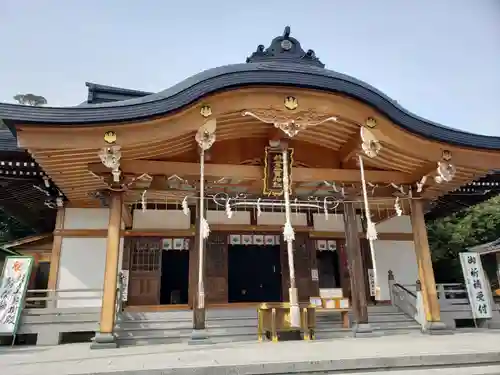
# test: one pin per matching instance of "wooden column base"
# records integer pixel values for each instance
(199, 335)
(104, 341)
(198, 318)
(355, 265)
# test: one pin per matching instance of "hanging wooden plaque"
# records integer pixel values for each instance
(273, 171)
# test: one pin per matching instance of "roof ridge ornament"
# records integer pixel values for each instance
(285, 48)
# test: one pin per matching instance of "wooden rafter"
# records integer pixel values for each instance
(349, 149)
(166, 168)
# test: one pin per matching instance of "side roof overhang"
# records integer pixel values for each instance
(284, 63)
(486, 248)
(11, 246)
(98, 93)
(8, 252)
(8, 142)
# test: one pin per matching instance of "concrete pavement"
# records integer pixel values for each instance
(337, 356)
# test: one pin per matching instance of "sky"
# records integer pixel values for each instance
(439, 59)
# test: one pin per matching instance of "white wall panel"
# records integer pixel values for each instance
(220, 217)
(81, 266)
(396, 224)
(335, 223)
(400, 258)
(278, 218)
(86, 218)
(161, 219)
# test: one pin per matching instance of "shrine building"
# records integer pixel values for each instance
(197, 195)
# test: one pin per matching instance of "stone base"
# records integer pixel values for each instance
(493, 324)
(199, 337)
(363, 330)
(104, 341)
(437, 328)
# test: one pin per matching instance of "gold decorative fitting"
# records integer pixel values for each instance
(110, 137)
(371, 122)
(446, 155)
(206, 111)
(291, 103)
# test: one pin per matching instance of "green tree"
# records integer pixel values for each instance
(452, 235)
(11, 229)
(30, 99)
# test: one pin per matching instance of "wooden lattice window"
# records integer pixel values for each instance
(146, 255)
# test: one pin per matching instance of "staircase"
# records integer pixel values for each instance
(174, 326)
(384, 320)
(240, 324)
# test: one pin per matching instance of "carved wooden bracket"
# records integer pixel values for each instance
(289, 122)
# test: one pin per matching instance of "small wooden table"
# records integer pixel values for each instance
(274, 318)
(337, 304)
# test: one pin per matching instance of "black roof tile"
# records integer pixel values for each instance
(279, 65)
(8, 141)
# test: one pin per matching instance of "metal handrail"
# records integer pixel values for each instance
(404, 299)
(401, 286)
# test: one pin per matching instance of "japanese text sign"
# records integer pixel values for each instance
(273, 171)
(13, 284)
(477, 286)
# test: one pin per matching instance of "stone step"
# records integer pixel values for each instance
(338, 332)
(165, 324)
(233, 325)
(179, 315)
(183, 331)
(145, 340)
(136, 326)
(371, 318)
(380, 326)
(162, 336)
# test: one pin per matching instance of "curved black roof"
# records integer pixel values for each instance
(8, 141)
(283, 63)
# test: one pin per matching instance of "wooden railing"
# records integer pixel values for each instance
(49, 298)
(49, 313)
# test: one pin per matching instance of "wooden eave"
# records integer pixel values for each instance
(65, 153)
(8, 252)
(466, 196)
(19, 199)
(30, 240)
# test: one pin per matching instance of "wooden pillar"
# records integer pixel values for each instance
(314, 289)
(353, 250)
(198, 313)
(55, 257)
(345, 279)
(105, 337)
(424, 262)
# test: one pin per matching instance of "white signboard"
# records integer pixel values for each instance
(330, 292)
(476, 284)
(314, 274)
(13, 284)
(371, 282)
(124, 274)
